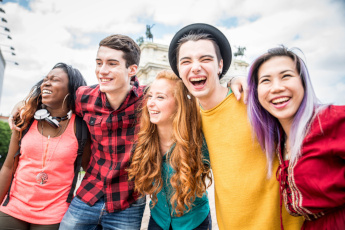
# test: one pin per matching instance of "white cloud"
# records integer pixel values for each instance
(69, 31)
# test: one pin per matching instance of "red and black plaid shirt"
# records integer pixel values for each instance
(112, 135)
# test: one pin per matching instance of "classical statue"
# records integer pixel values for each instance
(240, 51)
(149, 35)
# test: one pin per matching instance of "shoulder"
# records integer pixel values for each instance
(337, 110)
(87, 94)
(329, 120)
(88, 89)
(331, 113)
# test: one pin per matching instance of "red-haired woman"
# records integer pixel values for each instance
(170, 162)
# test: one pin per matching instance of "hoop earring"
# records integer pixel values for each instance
(63, 102)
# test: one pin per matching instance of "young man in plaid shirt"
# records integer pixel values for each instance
(105, 197)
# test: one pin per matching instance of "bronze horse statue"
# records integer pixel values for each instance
(240, 51)
(149, 35)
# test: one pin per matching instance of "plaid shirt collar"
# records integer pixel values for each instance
(133, 91)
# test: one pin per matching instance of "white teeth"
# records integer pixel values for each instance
(198, 79)
(154, 112)
(45, 91)
(105, 79)
(280, 100)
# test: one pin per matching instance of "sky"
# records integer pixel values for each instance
(45, 32)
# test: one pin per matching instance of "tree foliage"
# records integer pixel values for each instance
(5, 136)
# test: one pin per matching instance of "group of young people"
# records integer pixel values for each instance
(281, 149)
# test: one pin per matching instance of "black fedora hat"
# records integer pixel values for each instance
(201, 28)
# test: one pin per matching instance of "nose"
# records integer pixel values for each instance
(277, 86)
(45, 82)
(196, 67)
(150, 103)
(103, 69)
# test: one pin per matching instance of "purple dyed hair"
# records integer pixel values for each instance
(265, 126)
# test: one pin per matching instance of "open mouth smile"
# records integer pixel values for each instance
(104, 79)
(281, 101)
(152, 112)
(45, 91)
(198, 81)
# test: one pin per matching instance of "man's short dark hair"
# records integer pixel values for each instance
(124, 43)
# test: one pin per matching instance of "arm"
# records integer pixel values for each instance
(9, 166)
(239, 85)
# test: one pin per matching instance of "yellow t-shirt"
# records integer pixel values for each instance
(245, 198)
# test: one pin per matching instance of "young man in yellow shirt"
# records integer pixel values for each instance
(246, 197)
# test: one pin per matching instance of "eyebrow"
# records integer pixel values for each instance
(203, 56)
(98, 59)
(288, 70)
(207, 55)
(162, 93)
(51, 77)
(184, 58)
(158, 93)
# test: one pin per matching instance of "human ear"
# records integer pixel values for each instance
(132, 70)
(220, 66)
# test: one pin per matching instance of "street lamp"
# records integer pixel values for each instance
(15, 63)
(8, 36)
(11, 47)
(13, 54)
(6, 29)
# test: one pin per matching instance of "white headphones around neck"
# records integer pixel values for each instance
(43, 114)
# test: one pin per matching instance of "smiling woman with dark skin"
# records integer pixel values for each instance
(44, 170)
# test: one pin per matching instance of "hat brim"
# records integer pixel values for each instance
(201, 28)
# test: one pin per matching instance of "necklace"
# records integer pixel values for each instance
(42, 177)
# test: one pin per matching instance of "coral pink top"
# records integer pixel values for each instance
(45, 203)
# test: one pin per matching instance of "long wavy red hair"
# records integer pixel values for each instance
(191, 169)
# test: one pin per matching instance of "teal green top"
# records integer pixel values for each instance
(161, 212)
(229, 92)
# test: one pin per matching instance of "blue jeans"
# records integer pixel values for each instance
(81, 216)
